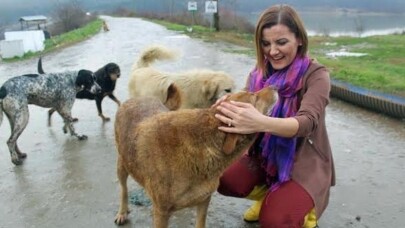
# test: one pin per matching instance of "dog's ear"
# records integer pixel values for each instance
(210, 90)
(230, 143)
(84, 78)
(173, 99)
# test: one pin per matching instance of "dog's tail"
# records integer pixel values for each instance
(1, 113)
(39, 66)
(153, 53)
(3, 94)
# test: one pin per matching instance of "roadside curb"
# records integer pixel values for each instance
(388, 104)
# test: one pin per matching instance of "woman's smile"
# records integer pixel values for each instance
(279, 45)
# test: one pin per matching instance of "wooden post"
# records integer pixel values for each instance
(216, 17)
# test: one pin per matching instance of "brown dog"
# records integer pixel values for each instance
(177, 156)
(105, 27)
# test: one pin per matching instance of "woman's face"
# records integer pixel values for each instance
(279, 45)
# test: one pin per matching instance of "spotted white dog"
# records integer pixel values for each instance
(53, 90)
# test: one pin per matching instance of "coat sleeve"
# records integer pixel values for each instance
(314, 102)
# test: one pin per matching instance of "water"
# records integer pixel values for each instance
(342, 23)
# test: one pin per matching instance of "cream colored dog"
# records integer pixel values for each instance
(200, 88)
(177, 156)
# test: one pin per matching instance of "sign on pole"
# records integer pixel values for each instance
(210, 6)
(192, 6)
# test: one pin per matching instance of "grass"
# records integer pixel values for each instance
(64, 40)
(382, 69)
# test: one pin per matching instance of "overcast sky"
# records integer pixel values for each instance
(11, 10)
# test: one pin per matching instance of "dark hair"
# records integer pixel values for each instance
(280, 14)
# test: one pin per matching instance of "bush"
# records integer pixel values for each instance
(123, 12)
(230, 21)
(69, 16)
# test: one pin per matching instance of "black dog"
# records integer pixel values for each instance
(56, 90)
(106, 77)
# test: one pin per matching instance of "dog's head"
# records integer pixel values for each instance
(86, 81)
(112, 70)
(217, 85)
(262, 100)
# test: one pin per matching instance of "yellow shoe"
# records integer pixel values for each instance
(253, 212)
(257, 194)
(310, 220)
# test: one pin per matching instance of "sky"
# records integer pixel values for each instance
(11, 10)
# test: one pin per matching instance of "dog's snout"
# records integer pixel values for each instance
(95, 88)
(228, 90)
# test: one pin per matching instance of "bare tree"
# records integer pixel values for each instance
(324, 31)
(2, 29)
(359, 25)
(68, 16)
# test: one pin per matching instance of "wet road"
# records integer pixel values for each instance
(69, 183)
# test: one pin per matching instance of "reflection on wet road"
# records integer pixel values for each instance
(69, 183)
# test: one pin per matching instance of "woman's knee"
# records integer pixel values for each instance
(286, 207)
(228, 186)
(240, 178)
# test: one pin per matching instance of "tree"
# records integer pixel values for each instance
(69, 16)
(359, 25)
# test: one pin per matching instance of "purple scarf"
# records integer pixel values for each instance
(278, 152)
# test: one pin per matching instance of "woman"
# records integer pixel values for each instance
(289, 169)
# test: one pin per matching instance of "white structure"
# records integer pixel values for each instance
(11, 48)
(32, 40)
(28, 22)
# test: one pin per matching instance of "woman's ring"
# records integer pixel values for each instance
(230, 123)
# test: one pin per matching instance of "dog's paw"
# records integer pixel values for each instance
(121, 219)
(17, 161)
(22, 155)
(82, 137)
(104, 118)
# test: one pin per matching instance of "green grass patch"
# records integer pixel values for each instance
(382, 69)
(63, 40)
(181, 28)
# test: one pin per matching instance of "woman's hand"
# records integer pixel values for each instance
(240, 117)
(220, 100)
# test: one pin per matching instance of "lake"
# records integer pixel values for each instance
(339, 23)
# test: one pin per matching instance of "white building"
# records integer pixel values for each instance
(17, 43)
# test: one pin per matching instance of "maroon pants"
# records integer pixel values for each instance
(285, 207)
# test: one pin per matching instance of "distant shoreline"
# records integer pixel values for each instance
(337, 22)
(366, 33)
(346, 11)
